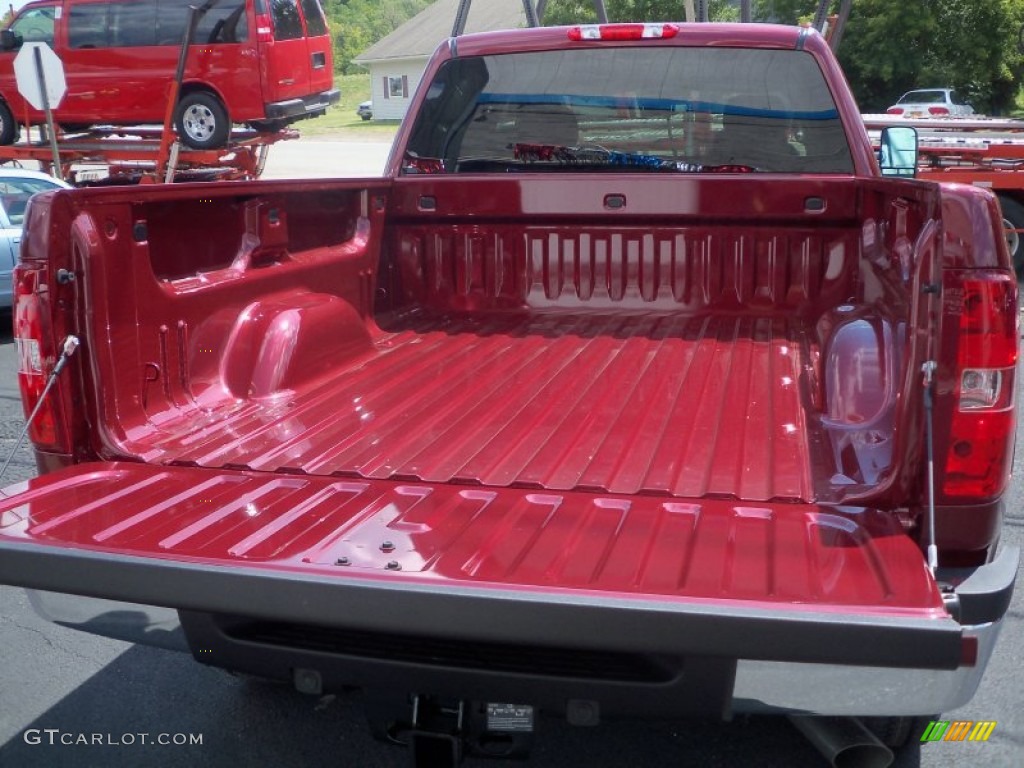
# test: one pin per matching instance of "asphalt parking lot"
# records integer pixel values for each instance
(58, 681)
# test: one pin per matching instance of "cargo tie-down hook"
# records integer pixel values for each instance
(70, 345)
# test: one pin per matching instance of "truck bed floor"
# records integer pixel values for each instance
(624, 403)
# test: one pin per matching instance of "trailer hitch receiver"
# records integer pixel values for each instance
(437, 733)
(441, 732)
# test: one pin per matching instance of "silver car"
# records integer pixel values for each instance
(16, 187)
(931, 102)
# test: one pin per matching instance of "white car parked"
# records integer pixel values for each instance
(931, 102)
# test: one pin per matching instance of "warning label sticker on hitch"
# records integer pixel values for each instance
(516, 718)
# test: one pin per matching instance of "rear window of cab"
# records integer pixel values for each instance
(631, 108)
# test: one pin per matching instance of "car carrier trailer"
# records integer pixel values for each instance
(107, 155)
(984, 152)
(113, 155)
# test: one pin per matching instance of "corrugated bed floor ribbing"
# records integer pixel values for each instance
(627, 403)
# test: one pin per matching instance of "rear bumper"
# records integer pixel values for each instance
(498, 592)
(982, 598)
(757, 687)
(766, 687)
(552, 618)
(304, 107)
(779, 663)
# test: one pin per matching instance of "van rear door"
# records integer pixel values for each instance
(283, 50)
(318, 47)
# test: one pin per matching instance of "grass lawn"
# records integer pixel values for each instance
(342, 117)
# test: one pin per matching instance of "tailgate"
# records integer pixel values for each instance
(794, 582)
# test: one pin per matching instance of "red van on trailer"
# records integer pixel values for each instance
(262, 62)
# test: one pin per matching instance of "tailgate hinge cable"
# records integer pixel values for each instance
(70, 345)
(928, 380)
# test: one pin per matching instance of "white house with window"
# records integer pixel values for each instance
(396, 62)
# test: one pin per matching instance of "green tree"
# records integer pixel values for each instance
(971, 45)
(784, 11)
(357, 24)
(888, 47)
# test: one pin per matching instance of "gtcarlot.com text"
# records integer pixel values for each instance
(56, 737)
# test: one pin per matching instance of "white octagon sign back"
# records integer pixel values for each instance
(27, 75)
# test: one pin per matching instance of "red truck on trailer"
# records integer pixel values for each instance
(634, 386)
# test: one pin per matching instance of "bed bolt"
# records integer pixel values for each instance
(387, 546)
(341, 561)
(394, 565)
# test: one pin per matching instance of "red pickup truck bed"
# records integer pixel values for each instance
(534, 421)
(513, 355)
(507, 411)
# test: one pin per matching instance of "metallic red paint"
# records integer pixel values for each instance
(808, 558)
(606, 355)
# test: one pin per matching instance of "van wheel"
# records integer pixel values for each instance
(202, 121)
(9, 129)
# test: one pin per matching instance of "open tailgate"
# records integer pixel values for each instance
(776, 581)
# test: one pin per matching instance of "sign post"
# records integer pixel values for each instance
(39, 74)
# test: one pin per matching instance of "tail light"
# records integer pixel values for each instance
(623, 31)
(264, 28)
(938, 111)
(36, 358)
(894, 111)
(982, 432)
